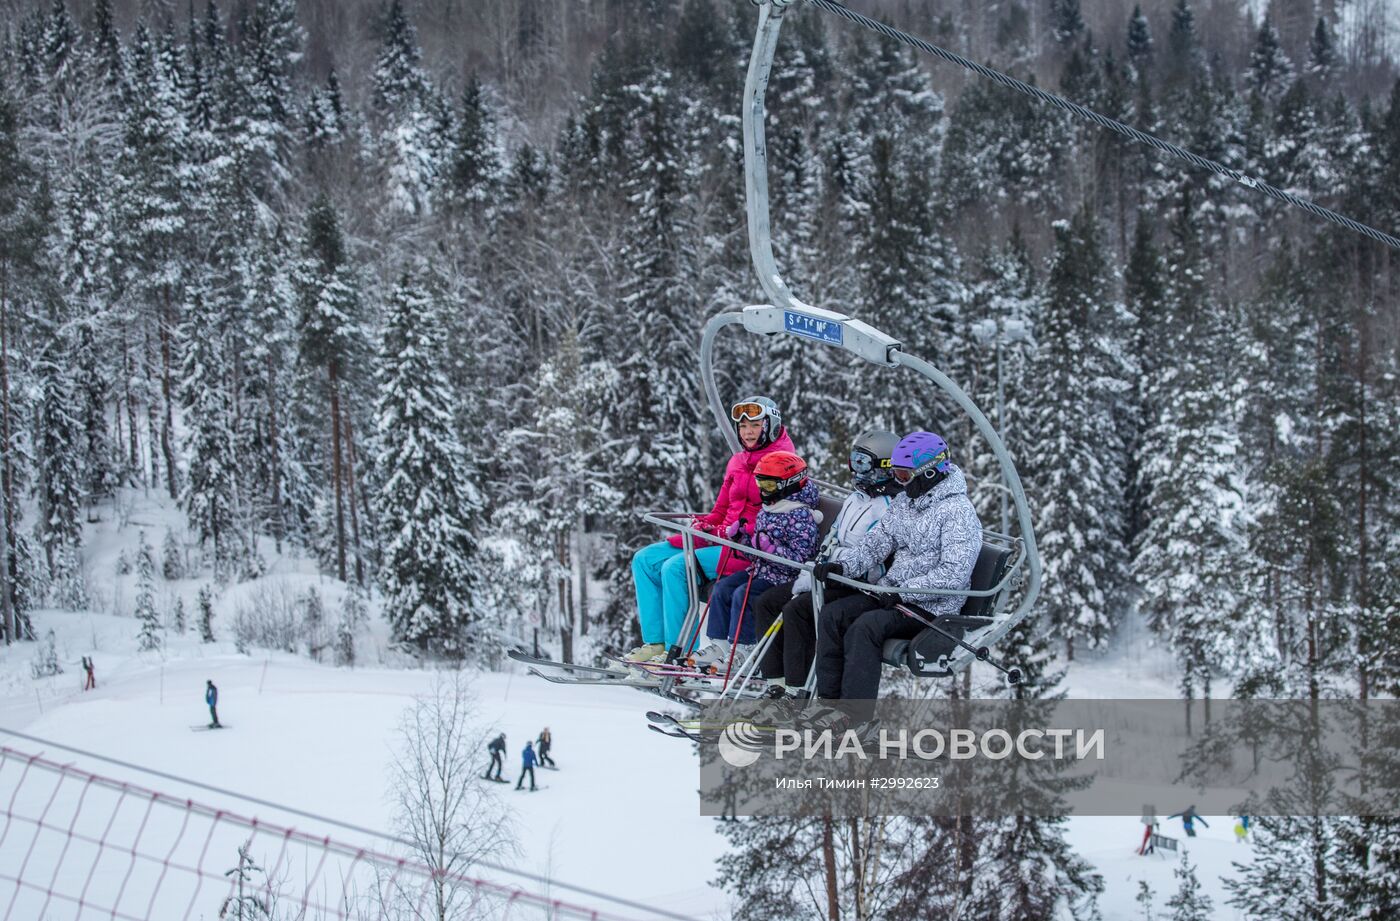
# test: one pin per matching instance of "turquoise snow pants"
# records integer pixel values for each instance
(658, 573)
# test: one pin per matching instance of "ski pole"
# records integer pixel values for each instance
(734, 644)
(1013, 674)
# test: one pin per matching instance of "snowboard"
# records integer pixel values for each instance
(207, 727)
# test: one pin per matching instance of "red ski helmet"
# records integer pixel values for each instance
(779, 475)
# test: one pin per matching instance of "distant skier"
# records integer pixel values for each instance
(544, 742)
(1149, 821)
(497, 748)
(1189, 817)
(1242, 829)
(211, 697)
(90, 683)
(527, 766)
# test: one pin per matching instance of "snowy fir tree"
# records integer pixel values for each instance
(428, 502)
(146, 614)
(205, 603)
(1188, 903)
(1074, 451)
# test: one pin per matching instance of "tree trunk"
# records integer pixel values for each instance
(279, 521)
(167, 392)
(134, 445)
(336, 464)
(833, 900)
(565, 591)
(6, 475)
(354, 513)
(152, 425)
(857, 871)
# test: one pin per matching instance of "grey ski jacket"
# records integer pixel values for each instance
(935, 540)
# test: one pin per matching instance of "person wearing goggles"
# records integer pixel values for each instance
(658, 570)
(788, 659)
(933, 533)
(786, 527)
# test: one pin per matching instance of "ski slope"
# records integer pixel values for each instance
(621, 816)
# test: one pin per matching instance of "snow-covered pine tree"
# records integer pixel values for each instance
(1189, 903)
(146, 614)
(1073, 450)
(414, 121)
(212, 497)
(1269, 67)
(657, 409)
(172, 559)
(313, 622)
(428, 501)
(475, 168)
(179, 618)
(205, 602)
(155, 216)
(328, 301)
(58, 446)
(1188, 555)
(1046, 879)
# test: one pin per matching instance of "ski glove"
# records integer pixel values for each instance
(822, 570)
(765, 543)
(735, 528)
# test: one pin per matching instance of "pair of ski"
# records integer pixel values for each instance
(648, 676)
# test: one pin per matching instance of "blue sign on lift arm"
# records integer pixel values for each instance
(813, 327)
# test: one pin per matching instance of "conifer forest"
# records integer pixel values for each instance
(414, 288)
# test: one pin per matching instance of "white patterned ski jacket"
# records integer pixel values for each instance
(859, 513)
(935, 540)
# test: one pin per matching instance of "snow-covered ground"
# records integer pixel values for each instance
(621, 816)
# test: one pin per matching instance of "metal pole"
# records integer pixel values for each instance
(1001, 427)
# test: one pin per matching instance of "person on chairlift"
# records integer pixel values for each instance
(934, 533)
(658, 570)
(786, 527)
(788, 659)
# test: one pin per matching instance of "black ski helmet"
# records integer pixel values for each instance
(869, 463)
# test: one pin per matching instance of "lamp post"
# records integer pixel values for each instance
(1002, 331)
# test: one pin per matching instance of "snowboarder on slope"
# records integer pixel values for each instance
(90, 683)
(211, 697)
(497, 748)
(527, 766)
(1149, 821)
(544, 742)
(1189, 818)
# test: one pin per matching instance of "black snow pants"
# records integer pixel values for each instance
(495, 765)
(790, 655)
(853, 634)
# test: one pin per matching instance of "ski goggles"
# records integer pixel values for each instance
(742, 411)
(904, 474)
(767, 485)
(862, 462)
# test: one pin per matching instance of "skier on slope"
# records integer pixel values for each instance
(211, 697)
(786, 527)
(527, 766)
(935, 536)
(497, 748)
(789, 657)
(1189, 818)
(658, 570)
(544, 742)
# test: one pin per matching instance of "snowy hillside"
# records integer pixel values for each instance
(620, 816)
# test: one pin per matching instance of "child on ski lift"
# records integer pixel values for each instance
(934, 533)
(786, 527)
(658, 570)
(789, 657)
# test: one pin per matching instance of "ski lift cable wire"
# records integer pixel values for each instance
(548, 882)
(1104, 121)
